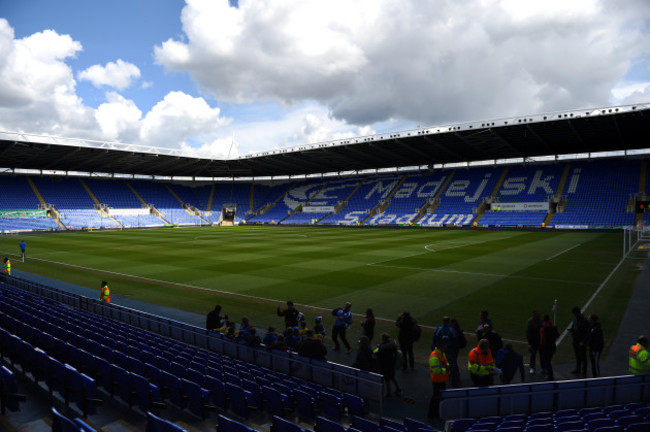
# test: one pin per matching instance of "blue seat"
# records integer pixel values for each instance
(158, 424)
(238, 399)
(171, 388)
(570, 426)
(279, 424)
(9, 396)
(540, 427)
(614, 428)
(619, 413)
(276, 402)
(355, 405)
(326, 425)
(331, 405)
(628, 420)
(195, 398)
(144, 395)
(226, 424)
(364, 425)
(255, 399)
(61, 423)
(120, 383)
(462, 425)
(305, 405)
(392, 424)
(638, 427)
(413, 425)
(217, 391)
(594, 424)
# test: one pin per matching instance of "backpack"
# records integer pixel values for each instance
(335, 311)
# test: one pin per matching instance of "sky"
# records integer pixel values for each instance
(221, 79)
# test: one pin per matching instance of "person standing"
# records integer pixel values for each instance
(579, 334)
(7, 266)
(548, 334)
(312, 347)
(386, 353)
(447, 333)
(105, 293)
(481, 364)
(368, 325)
(640, 357)
(290, 315)
(365, 360)
(214, 320)
(23, 246)
(595, 344)
(343, 321)
(406, 338)
(439, 368)
(533, 325)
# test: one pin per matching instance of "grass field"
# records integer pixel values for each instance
(431, 273)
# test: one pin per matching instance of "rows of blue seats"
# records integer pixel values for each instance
(631, 417)
(185, 375)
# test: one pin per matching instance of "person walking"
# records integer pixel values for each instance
(439, 369)
(406, 338)
(105, 293)
(596, 342)
(386, 353)
(548, 335)
(533, 325)
(640, 357)
(343, 321)
(509, 362)
(23, 246)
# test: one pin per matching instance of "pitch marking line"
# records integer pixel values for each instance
(426, 247)
(563, 252)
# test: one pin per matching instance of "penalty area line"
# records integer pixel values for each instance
(563, 252)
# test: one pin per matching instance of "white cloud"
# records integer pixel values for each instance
(179, 117)
(427, 62)
(119, 75)
(119, 118)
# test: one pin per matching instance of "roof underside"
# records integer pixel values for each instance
(611, 131)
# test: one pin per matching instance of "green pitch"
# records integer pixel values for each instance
(431, 273)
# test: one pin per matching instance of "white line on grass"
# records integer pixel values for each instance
(564, 251)
(593, 296)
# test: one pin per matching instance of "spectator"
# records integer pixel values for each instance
(7, 267)
(406, 337)
(453, 357)
(269, 337)
(278, 344)
(290, 314)
(293, 338)
(386, 353)
(439, 369)
(640, 357)
(510, 362)
(496, 343)
(368, 324)
(244, 327)
(533, 325)
(579, 334)
(448, 334)
(481, 364)
(343, 321)
(303, 328)
(482, 320)
(214, 320)
(104, 293)
(312, 347)
(596, 342)
(548, 334)
(319, 328)
(253, 340)
(231, 330)
(365, 360)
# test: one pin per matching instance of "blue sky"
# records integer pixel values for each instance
(197, 74)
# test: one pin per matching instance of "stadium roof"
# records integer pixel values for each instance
(580, 131)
